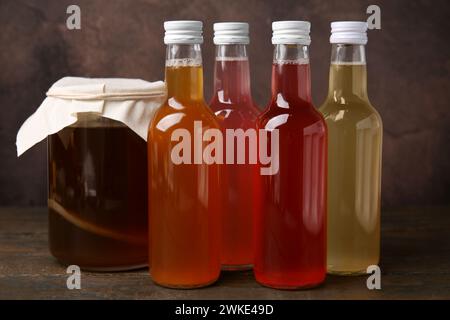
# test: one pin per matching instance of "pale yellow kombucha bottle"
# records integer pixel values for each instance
(354, 156)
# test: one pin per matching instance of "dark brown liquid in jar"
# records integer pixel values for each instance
(98, 195)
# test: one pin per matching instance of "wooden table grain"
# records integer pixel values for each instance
(415, 265)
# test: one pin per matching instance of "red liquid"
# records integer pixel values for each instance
(233, 105)
(290, 224)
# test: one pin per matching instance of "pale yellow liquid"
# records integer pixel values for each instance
(354, 172)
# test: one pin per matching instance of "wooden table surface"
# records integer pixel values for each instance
(415, 265)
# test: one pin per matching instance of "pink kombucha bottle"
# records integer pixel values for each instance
(233, 105)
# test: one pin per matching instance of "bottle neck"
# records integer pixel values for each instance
(184, 73)
(232, 74)
(348, 74)
(291, 79)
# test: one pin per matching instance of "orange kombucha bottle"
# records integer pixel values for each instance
(184, 214)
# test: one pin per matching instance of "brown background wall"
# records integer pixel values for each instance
(408, 61)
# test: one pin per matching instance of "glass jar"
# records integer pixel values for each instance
(97, 196)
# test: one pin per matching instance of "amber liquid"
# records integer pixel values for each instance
(354, 172)
(98, 197)
(184, 198)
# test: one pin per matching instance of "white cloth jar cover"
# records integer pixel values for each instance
(130, 101)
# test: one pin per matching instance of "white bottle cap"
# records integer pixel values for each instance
(349, 32)
(291, 32)
(183, 32)
(231, 33)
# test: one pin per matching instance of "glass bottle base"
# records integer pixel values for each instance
(187, 287)
(290, 287)
(237, 267)
(346, 272)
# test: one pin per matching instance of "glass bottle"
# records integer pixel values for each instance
(290, 228)
(184, 197)
(234, 108)
(354, 155)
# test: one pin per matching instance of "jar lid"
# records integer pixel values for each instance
(105, 88)
(130, 101)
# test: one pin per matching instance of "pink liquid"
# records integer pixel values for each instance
(233, 105)
(290, 221)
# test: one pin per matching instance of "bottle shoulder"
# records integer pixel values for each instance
(346, 112)
(300, 109)
(235, 114)
(246, 106)
(176, 114)
(295, 116)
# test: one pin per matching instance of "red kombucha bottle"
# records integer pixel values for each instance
(290, 234)
(233, 105)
